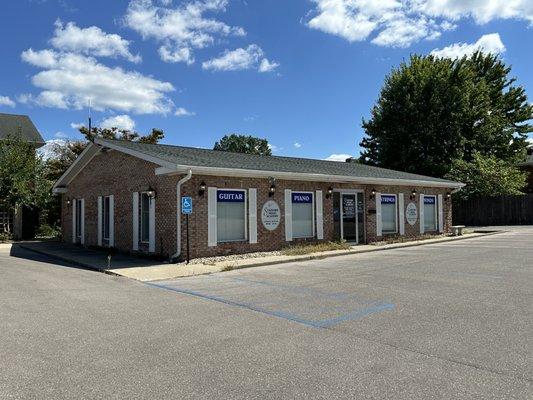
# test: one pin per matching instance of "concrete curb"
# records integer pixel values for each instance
(286, 260)
(321, 256)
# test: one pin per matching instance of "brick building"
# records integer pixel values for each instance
(127, 195)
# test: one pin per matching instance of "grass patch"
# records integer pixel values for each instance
(302, 249)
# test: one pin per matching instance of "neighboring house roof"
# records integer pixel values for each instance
(172, 159)
(12, 124)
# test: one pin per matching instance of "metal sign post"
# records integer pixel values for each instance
(186, 208)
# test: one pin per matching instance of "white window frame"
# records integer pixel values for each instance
(141, 194)
(384, 232)
(245, 216)
(313, 209)
(436, 227)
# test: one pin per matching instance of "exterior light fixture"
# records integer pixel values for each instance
(373, 193)
(202, 189)
(68, 201)
(413, 194)
(329, 192)
(272, 188)
(448, 196)
(151, 192)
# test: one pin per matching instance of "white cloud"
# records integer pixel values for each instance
(118, 121)
(399, 23)
(297, 145)
(76, 125)
(60, 135)
(338, 157)
(491, 43)
(240, 59)
(91, 41)
(182, 112)
(70, 80)
(180, 29)
(274, 148)
(6, 101)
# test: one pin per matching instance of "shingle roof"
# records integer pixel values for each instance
(197, 157)
(12, 124)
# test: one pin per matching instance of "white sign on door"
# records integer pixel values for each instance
(411, 213)
(271, 215)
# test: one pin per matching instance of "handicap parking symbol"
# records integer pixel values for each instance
(186, 205)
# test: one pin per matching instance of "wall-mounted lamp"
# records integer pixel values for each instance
(151, 192)
(448, 196)
(68, 201)
(413, 194)
(272, 188)
(329, 192)
(373, 193)
(202, 188)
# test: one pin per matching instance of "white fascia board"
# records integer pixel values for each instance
(237, 172)
(79, 163)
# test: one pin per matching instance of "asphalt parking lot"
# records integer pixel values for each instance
(442, 321)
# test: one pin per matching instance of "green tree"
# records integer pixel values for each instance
(487, 176)
(243, 144)
(22, 175)
(122, 134)
(433, 112)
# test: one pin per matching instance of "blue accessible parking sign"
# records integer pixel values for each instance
(186, 205)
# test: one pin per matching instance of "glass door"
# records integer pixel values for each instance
(349, 217)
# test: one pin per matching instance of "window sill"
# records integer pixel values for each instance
(233, 241)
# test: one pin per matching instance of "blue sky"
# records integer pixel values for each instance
(301, 73)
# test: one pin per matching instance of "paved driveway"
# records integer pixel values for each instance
(444, 321)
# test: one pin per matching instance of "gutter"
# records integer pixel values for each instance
(178, 213)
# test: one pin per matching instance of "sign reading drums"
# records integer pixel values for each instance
(411, 213)
(271, 215)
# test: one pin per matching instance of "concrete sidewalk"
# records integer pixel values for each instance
(146, 270)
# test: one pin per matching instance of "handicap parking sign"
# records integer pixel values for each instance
(186, 205)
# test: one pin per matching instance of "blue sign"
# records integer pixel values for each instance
(429, 200)
(230, 196)
(388, 199)
(302, 197)
(186, 205)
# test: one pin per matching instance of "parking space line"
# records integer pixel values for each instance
(371, 307)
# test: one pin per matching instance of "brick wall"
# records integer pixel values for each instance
(120, 175)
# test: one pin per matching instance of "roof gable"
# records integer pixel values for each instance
(12, 124)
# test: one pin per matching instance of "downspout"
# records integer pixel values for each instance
(178, 213)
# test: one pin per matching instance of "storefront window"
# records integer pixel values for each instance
(78, 218)
(106, 217)
(389, 215)
(231, 215)
(145, 218)
(302, 215)
(430, 213)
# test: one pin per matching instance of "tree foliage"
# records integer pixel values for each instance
(22, 175)
(122, 134)
(243, 144)
(433, 112)
(487, 176)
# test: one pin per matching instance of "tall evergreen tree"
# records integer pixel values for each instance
(434, 111)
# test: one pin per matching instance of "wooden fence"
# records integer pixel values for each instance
(500, 210)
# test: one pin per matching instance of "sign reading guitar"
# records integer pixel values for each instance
(271, 215)
(230, 196)
(411, 213)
